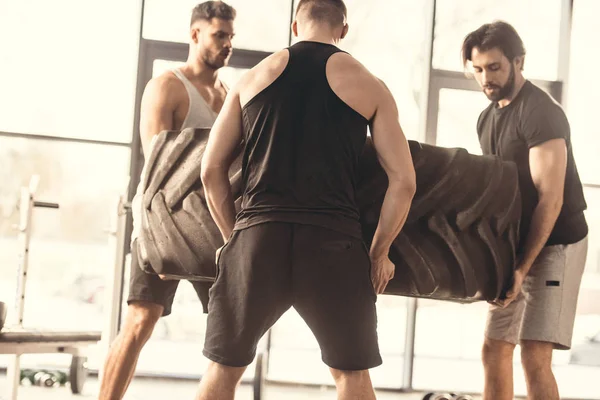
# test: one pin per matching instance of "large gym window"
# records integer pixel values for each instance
(583, 89)
(457, 119)
(537, 21)
(580, 367)
(68, 76)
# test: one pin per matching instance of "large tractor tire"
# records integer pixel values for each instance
(458, 243)
(459, 240)
(179, 238)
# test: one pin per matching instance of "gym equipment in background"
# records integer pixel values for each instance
(14, 338)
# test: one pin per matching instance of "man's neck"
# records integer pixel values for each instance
(519, 83)
(200, 72)
(320, 37)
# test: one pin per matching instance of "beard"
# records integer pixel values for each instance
(502, 92)
(215, 61)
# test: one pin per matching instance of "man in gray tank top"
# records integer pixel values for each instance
(187, 97)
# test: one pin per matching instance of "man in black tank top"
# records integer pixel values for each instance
(525, 125)
(303, 115)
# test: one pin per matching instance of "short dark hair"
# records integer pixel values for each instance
(213, 9)
(498, 34)
(334, 12)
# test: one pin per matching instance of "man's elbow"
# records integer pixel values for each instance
(551, 201)
(208, 175)
(405, 186)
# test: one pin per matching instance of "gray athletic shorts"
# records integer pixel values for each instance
(545, 310)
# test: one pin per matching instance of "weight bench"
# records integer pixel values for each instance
(25, 342)
(17, 340)
(38, 342)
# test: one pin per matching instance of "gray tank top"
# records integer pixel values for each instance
(199, 115)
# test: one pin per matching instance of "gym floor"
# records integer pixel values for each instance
(151, 389)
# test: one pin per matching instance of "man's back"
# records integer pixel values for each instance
(304, 133)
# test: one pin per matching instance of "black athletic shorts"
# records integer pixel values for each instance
(149, 287)
(325, 275)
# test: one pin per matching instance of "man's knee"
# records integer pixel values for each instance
(536, 356)
(496, 352)
(341, 377)
(231, 376)
(141, 319)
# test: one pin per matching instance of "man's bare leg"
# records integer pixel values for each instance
(536, 358)
(497, 359)
(353, 385)
(219, 382)
(125, 350)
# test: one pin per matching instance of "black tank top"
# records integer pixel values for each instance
(302, 147)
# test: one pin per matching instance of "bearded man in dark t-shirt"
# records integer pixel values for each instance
(525, 125)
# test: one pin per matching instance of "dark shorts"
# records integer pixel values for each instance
(150, 288)
(265, 269)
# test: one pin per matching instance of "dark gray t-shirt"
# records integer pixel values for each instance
(532, 118)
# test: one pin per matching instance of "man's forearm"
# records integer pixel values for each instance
(219, 199)
(394, 212)
(542, 222)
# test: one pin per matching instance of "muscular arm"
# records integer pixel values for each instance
(157, 109)
(395, 158)
(369, 96)
(223, 141)
(548, 164)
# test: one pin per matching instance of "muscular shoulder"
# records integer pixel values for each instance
(342, 65)
(538, 103)
(165, 86)
(262, 75)
(274, 62)
(356, 85)
(271, 66)
(541, 118)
